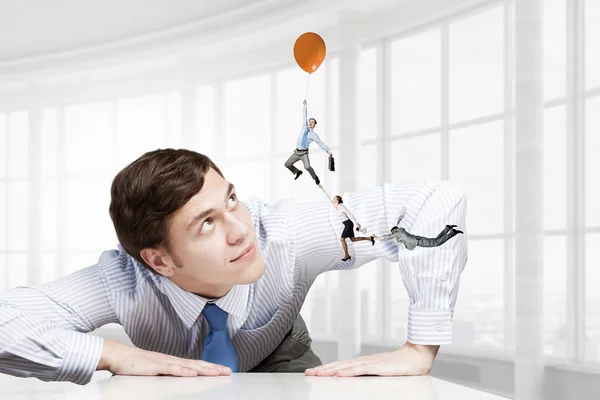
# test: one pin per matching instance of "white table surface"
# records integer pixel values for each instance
(241, 386)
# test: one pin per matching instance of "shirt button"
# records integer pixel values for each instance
(443, 277)
(439, 328)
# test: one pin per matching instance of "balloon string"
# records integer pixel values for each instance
(306, 94)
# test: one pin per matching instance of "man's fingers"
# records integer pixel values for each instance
(176, 370)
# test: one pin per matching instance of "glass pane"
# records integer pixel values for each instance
(592, 43)
(555, 50)
(366, 111)
(368, 285)
(76, 260)
(417, 158)
(205, 121)
(592, 277)
(315, 307)
(18, 144)
(476, 65)
(3, 273)
(479, 312)
(89, 135)
(416, 82)
(246, 117)
(3, 217)
(399, 304)
(142, 127)
(555, 169)
(303, 189)
(49, 143)
(555, 297)
(291, 87)
(173, 131)
(48, 268)
(48, 223)
(87, 224)
(250, 179)
(3, 145)
(592, 162)
(17, 270)
(477, 164)
(366, 168)
(18, 216)
(332, 124)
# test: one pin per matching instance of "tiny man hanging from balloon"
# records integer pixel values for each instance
(309, 52)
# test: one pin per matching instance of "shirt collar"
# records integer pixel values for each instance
(189, 306)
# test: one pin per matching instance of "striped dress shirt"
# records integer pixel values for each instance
(311, 137)
(43, 330)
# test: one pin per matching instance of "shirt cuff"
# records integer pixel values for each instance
(429, 327)
(81, 358)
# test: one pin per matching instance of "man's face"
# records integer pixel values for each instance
(311, 123)
(213, 242)
(394, 230)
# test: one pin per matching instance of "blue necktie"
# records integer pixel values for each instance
(304, 137)
(218, 348)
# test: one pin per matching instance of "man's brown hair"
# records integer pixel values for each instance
(145, 195)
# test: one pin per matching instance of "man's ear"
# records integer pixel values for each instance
(159, 261)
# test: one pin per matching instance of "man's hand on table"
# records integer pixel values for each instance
(121, 359)
(410, 359)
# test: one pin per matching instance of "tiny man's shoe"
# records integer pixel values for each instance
(457, 231)
(298, 175)
(450, 226)
(317, 181)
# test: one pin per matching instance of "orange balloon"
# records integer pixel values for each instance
(309, 51)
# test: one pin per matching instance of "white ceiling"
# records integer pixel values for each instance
(32, 28)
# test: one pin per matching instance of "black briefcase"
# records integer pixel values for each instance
(331, 163)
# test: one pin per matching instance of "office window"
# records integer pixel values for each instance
(476, 69)
(3, 145)
(477, 164)
(555, 295)
(416, 82)
(291, 88)
(205, 122)
(89, 139)
(479, 315)
(366, 108)
(417, 158)
(592, 277)
(76, 260)
(555, 169)
(3, 273)
(48, 217)
(143, 125)
(49, 143)
(18, 216)
(87, 224)
(3, 218)
(592, 44)
(366, 168)
(16, 267)
(48, 270)
(250, 179)
(17, 144)
(303, 189)
(246, 117)
(592, 163)
(555, 50)
(399, 303)
(369, 309)
(332, 124)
